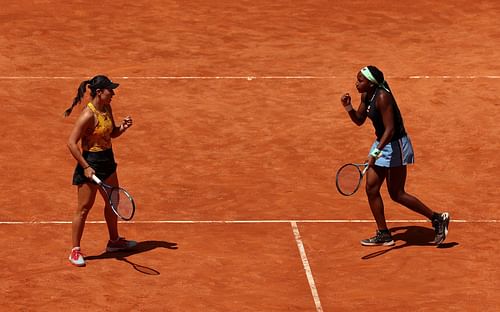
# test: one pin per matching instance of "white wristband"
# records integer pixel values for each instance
(376, 153)
(348, 108)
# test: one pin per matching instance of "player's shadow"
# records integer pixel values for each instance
(405, 236)
(140, 248)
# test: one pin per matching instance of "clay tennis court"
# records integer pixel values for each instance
(238, 131)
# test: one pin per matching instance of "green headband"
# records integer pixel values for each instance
(368, 75)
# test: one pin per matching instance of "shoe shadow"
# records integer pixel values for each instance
(410, 236)
(140, 248)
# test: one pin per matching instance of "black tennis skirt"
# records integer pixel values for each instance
(102, 162)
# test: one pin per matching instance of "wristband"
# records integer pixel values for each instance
(348, 108)
(86, 167)
(376, 153)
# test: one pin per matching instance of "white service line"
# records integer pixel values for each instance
(244, 221)
(250, 77)
(307, 267)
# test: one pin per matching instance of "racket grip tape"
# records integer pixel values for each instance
(96, 179)
(365, 169)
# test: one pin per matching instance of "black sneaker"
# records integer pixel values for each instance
(382, 238)
(440, 224)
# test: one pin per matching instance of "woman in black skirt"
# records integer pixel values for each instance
(95, 127)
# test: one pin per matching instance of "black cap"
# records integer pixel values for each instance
(102, 82)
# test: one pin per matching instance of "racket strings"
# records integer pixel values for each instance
(122, 203)
(348, 179)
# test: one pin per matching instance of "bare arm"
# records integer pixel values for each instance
(125, 124)
(385, 105)
(84, 122)
(358, 116)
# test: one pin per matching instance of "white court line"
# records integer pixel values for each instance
(453, 77)
(250, 77)
(307, 267)
(245, 221)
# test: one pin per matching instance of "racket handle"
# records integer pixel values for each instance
(96, 179)
(364, 170)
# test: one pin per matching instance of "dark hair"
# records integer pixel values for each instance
(378, 75)
(98, 82)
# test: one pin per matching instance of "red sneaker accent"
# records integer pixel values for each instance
(76, 257)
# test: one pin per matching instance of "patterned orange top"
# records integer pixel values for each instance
(100, 138)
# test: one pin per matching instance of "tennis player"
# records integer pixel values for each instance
(95, 127)
(389, 155)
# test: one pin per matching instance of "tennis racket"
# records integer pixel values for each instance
(349, 178)
(120, 200)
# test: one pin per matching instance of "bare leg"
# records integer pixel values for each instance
(109, 215)
(396, 179)
(86, 198)
(374, 178)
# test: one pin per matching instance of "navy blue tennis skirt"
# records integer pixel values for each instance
(102, 162)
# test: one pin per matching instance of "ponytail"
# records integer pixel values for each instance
(80, 93)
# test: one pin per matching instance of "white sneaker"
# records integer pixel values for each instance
(76, 257)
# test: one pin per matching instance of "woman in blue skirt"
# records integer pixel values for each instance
(389, 155)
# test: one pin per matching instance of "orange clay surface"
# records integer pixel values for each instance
(264, 150)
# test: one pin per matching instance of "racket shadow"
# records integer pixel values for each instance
(141, 247)
(410, 236)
